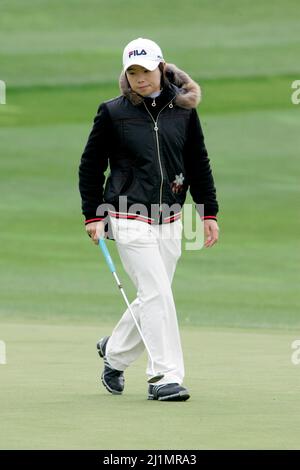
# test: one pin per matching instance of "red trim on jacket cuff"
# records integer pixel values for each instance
(209, 217)
(94, 220)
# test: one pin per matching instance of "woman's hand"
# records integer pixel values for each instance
(95, 230)
(211, 232)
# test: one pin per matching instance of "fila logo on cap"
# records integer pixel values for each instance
(136, 52)
(143, 52)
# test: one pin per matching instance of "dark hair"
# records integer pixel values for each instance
(163, 78)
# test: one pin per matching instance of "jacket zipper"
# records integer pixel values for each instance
(158, 151)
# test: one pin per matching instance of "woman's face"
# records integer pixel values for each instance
(143, 81)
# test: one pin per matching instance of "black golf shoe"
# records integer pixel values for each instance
(168, 392)
(112, 379)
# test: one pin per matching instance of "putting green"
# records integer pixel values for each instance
(244, 393)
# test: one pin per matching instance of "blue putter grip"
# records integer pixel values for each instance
(107, 255)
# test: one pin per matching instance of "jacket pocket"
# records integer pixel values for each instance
(117, 183)
(129, 182)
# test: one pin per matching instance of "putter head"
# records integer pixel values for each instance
(155, 378)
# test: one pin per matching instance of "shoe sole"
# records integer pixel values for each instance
(108, 388)
(181, 396)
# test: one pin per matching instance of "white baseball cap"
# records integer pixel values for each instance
(142, 52)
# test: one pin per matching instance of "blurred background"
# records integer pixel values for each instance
(60, 60)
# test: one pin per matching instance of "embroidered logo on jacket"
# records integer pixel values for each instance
(177, 184)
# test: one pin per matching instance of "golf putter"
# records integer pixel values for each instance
(156, 376)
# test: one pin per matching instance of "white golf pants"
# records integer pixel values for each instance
(149, 254)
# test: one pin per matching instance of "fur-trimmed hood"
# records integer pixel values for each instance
(188, 92)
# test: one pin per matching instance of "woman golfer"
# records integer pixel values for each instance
(152, 139)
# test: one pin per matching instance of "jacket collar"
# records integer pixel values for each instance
(186, 92)
(168, 93)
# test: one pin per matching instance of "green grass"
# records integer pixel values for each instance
(238, 303)
(243, 385)
(64, 44)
